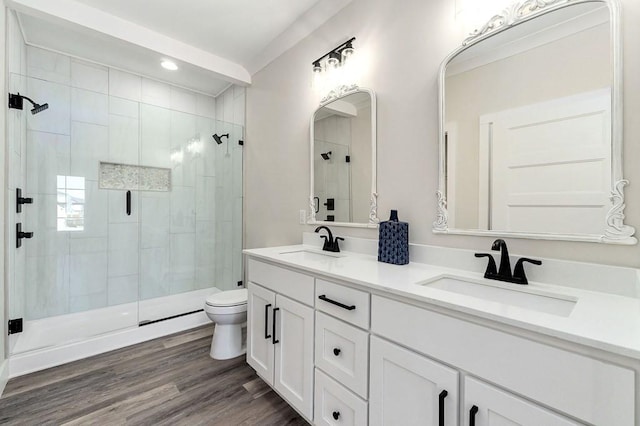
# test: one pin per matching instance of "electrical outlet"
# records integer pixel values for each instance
(303, 217)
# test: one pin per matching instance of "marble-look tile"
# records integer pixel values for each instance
(15, 44)
(88, 273)
(205, 164)
(123, 249)
(48, 158)
(89, 76)
(95, 212)
(128, 177)
(238, 91)
(87, 302)
(183, 130)
(205, 198)
(123, 139)
(154, 272)
(125, 85)
(89, 107)
(237, 172)
(41, 220)
(205, 106)
(220, 107)
(182, 262)
(47, 287)
(119, 106)
(57, 118)
(205, 243)
(238, 111)
(118, 206)
(48, 65)
(123, 262)
(155, 134)
(122, 290)
(88, 245)
(183, 209)
(156, 93)
(89, 146)
(183, 100)
(155, 219)
(228, 105)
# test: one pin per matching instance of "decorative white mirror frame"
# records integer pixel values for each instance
(614, 229)
(333, 95)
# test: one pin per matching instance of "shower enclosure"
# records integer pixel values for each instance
(136, 210)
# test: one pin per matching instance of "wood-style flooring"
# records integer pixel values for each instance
(167, 381)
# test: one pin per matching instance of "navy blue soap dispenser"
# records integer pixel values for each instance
(393, 241)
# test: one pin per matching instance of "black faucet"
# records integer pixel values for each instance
(330, 243)
(504, 272)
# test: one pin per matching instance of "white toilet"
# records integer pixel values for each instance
(228, 310)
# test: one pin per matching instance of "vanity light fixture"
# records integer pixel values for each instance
(332, 60)
(168, 65)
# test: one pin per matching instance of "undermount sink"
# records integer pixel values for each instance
(306, 254)
(539, 301)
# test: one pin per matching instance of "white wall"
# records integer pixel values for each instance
(404, 44)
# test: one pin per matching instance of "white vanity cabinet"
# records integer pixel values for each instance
(280, 332)
(410, 389)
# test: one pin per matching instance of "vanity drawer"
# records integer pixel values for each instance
(342, 351)
(292, 284)
(336, 405)
(343, 302)
(588, 389)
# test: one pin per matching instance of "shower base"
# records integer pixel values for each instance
(57, 340)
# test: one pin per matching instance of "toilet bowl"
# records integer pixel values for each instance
(228, 310)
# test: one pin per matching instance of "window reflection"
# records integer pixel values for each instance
(70, 203)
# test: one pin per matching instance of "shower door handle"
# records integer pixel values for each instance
(128, 203)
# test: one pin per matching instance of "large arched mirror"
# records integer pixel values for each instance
(343, 159)
(531, 126)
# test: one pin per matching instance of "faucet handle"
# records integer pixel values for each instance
(491, 271)
(336, 244)
(519, 276)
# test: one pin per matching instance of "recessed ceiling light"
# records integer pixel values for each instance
(169, 65)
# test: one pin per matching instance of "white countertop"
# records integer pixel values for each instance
(600, 320)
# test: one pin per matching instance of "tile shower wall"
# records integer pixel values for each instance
(185, 239)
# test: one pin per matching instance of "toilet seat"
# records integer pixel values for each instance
(228, 298)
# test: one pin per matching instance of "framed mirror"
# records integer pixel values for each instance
(531, 126)
(343, 159)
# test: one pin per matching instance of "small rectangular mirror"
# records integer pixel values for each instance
(343, 160)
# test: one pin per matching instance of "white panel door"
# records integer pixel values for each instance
(260, 305)
(550, 165)
(406, 388)
(294, 354)
(490, 406)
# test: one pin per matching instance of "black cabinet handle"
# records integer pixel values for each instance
(441, 398)
(336, 415)
(472, 415)
(333, 302)
(336, 351)
(273, 330)
(266, 321)
(128, 203)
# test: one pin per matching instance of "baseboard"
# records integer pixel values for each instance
(4, 375)
(41, 359)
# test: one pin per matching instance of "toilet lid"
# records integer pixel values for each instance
(228, 298)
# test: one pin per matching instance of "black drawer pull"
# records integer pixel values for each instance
(266, 321)
(273, 330)
(472, 415)
(336, 351)
(441, 398)
(335, 415)
(333, 302)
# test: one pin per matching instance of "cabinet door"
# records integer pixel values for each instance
(495, 407)
(260, 305)
(407, 388)
(294, 354)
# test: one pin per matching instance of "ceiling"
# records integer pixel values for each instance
(214, 42)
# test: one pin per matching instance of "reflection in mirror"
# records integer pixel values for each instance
(529, 145)
(343, 160)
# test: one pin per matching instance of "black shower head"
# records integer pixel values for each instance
(218, 139)
(15, 101)
(39, 108)
(326, 155)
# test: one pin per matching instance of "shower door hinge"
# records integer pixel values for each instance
(240, 142)
(15, 326)
(240, 283)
